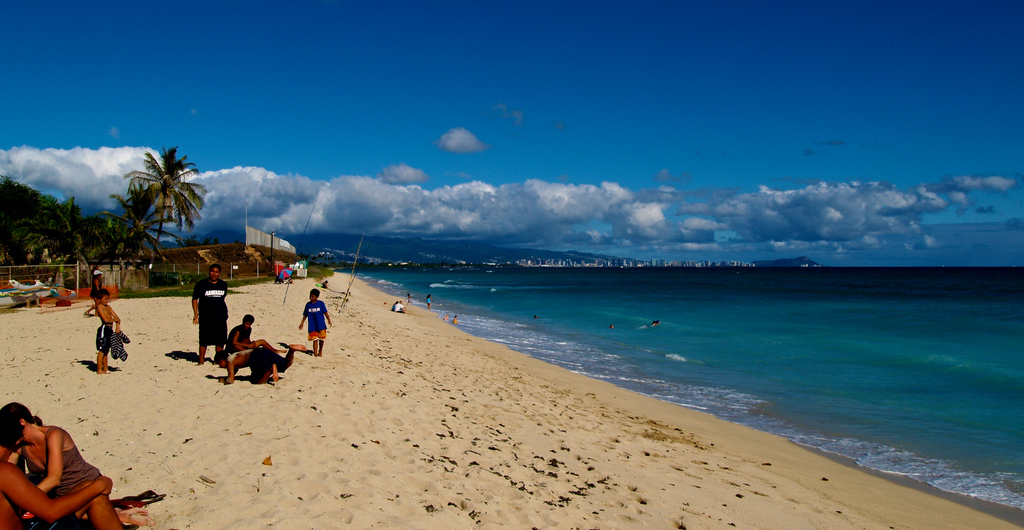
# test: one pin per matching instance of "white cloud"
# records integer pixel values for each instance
(460, 140)
(701, 224)
(114, 132)
(821, 212)
(970, 182)
(647, 219)
(839, 219)
(958, 188)
(89, 175)
(402, 174)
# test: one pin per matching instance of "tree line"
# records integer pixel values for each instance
(37, 228)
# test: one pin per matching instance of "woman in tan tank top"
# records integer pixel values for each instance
(49, 451)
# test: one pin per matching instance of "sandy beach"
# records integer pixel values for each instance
(407, 422)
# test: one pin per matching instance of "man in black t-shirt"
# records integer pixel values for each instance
(210, 311)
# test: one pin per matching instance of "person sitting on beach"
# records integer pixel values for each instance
(49, 452)
(17, 494)
(264, 363)
(398, 307)
(238, 341)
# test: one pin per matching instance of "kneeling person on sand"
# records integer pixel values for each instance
(263, 362)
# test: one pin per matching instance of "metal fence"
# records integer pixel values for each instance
(77, 276)
(230, 271)
(66, 276)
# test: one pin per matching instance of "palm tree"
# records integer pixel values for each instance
(136, 229)
(17, 203)
(167, 182)
(59, 231)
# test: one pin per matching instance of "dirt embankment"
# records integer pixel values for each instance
(239, 255)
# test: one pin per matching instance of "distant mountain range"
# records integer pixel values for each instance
(377, 249)
(802, 261)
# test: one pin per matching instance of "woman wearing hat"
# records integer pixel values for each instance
(94, 293)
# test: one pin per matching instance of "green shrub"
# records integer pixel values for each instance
(163, 279)
(188, 278)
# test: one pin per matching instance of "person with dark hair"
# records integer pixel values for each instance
(49, 451)
(110, 324)
(94, 290)
(210, 312)
(239, 341)
(264, 363)
(317, 313)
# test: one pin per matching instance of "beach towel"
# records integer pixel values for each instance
(117, 342)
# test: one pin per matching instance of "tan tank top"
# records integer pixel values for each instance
(76, 470)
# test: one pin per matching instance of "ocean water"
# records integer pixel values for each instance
(912, 371)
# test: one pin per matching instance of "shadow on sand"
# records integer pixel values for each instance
(91, 365)
(179, 355)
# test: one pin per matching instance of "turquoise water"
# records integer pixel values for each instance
(918, 372)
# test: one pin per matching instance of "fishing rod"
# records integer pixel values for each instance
(352, 277)
(301, 239)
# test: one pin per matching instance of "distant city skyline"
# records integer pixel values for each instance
(874, 133)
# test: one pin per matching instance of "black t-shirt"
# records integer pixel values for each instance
(243, 335)
(211, 299)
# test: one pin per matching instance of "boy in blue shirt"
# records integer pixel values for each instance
(316, 311)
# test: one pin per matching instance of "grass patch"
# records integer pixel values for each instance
(181, 291)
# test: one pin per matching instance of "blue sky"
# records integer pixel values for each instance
(865, 133)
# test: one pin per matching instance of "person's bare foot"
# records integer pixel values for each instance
(136, 516)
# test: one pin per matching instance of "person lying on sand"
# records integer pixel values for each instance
(264, 363)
